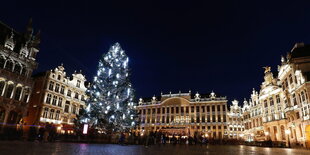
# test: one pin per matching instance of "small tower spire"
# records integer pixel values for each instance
(9, 42)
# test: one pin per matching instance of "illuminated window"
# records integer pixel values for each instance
(271, 101)
(76, 95)
(60, 102)
(265, 103)
(51, 85)
(62, 89)
(45, 112)
(278, 99)
(57, 115)
(57, 88)
(67, 106)
(48, 98)
(69, 93)
(54, 100)
(52, 114)
(291, 79)
(78, 83)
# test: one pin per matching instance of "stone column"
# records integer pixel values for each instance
(13, 91)
(4, 88)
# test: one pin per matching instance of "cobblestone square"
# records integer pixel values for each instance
(31, 148)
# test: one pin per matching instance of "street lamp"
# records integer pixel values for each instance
(287, 132)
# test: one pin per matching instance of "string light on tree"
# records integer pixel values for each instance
(112, 94)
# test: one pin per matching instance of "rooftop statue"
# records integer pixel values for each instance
(267, 69)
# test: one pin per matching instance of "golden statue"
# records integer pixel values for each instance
(267, 69)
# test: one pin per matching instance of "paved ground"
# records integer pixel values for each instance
(31, 148)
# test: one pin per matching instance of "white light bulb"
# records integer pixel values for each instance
(110, 72)
(128, 91)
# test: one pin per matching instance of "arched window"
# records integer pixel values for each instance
(48, 98)
(18, 91)
(60, 102)
(24, 71)
(303, 98)
(9, 91)
(9, 65)
(2, 62)
(45, 112)
(52, 114)
(17, 68)
(2, 84)
(54, 100)
(74, 109)
(57, 115)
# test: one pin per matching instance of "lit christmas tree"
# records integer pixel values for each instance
(111, 105)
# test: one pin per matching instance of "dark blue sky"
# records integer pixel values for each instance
(202, 46)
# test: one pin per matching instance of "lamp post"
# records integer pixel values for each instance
(287, 132)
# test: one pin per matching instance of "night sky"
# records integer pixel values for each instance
(201, 46)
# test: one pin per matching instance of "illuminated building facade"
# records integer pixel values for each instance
(281, 110)
(57, 98)
(235, 121)
(185, 114)
(17, 61)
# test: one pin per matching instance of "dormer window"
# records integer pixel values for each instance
(24, 51)
(78, 83)
(9, 42)
(59, 77)
(9, 46)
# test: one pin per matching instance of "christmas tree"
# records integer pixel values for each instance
(111, 105)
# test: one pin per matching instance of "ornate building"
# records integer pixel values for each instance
(281, 110)
(17, 61)
(184, 114)
(253, 119)
(57, 98)
(235, 121)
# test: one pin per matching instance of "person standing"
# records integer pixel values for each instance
(46, 133)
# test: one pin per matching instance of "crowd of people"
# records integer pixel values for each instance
(47, 133)
(153, 138)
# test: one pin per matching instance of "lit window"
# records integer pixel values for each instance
(78, 83)
(51, 86)
(48, 98)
